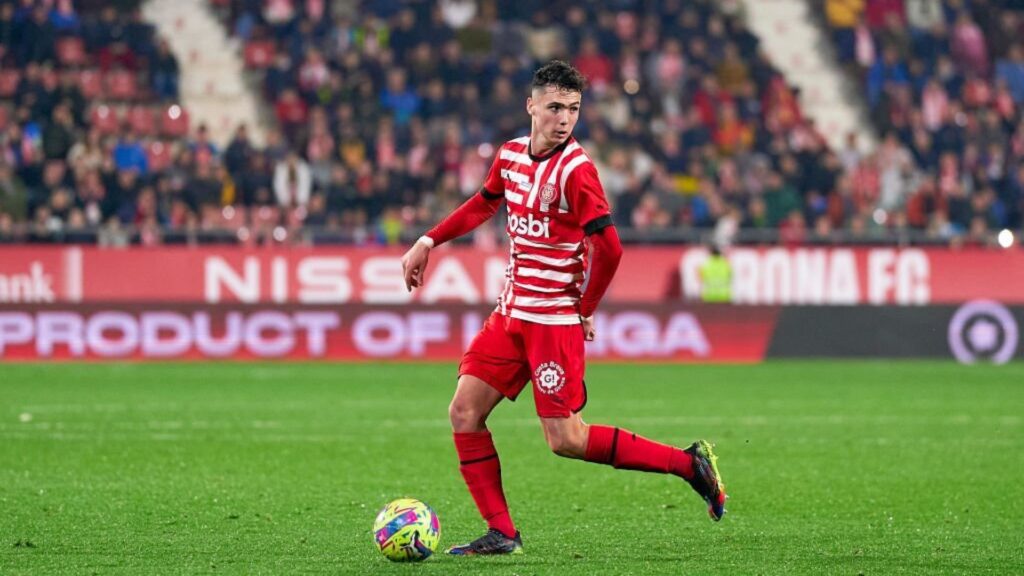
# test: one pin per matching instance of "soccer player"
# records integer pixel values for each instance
(557, 217)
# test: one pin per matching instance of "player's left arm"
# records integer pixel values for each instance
(591, 207)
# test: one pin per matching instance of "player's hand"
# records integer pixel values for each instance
(588, 328)
(414, 264)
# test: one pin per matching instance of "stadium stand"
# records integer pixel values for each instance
(388, 116)
(945, 82)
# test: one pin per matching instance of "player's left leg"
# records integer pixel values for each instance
(557, 362)
(620, 448)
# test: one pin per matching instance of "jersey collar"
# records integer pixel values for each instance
(554, 150)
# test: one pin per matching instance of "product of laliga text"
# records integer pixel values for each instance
(407, 530)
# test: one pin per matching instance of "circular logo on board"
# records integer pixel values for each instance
(983, 330)
(549, 377)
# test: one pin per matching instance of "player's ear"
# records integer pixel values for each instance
(529, 105)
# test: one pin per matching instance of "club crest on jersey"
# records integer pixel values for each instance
(529, 226)
(549, 377)
(548, 193)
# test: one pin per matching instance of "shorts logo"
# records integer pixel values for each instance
(549, 377)
(547, 193)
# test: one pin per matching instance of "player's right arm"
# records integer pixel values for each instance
(472, 213)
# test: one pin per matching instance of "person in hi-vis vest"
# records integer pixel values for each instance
(716, 278)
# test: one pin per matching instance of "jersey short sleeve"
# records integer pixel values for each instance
(586, 195)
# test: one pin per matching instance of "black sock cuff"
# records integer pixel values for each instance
(477, 460)
(615, 445)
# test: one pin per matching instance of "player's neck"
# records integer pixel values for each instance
(541, 147)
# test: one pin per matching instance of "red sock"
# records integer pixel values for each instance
(624, 449)
(478, 462)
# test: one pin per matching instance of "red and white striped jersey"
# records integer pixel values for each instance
(550, 200)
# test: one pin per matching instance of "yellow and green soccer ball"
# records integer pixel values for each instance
(407, 530)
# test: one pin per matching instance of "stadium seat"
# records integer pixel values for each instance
(259, 54)
(121, 85)
(222, 217)
(174, 121)
(210, 217)
(265, 217)
(104, 118)
(296, 216)
(142, 119)
(71, 51)
(158, 153)
(90, 82)
(233, 217)
(9, 79)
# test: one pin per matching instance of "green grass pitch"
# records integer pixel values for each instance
(232, 468)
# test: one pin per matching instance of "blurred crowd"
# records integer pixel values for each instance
(396, 110)
(944, 80)
(388, 114)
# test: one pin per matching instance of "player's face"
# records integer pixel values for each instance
(555, 112)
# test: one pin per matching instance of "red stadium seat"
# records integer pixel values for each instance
(209, 217)
(265, 217)
(222, 217)
(71, 51)
(259, 54)
(104, 118)
(158, 153)
(296, 216)
(9, 80)
(90, 82)
(142, 119)
(233, 217)
(174, 121)
(121, 85)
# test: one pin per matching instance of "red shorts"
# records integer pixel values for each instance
(508, 352)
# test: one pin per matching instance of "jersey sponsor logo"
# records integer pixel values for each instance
(529, 226)
(549, 377)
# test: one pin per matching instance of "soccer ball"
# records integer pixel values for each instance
(406, 530)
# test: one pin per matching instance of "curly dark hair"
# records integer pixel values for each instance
(561, 75)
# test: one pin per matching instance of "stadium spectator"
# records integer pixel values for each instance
(129, 154)
(64, 18)
(292, 182)
(13, 195)
(164, 72)
(1011, 71)
(843, 16)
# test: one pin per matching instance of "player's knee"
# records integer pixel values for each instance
(465, 417)
(561, 446)
(567, 445)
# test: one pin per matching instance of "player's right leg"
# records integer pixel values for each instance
(472, 403)
(478, 462)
